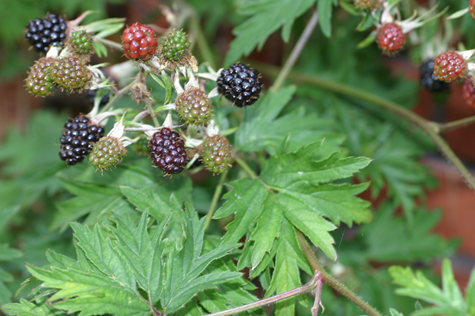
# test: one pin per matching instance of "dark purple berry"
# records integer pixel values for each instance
(167, 151)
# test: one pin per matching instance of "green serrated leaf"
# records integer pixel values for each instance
(266, 17)
(394, 312)
(25, 308)
(100, 49)
(89, 292)
(448, 301)
(262, 128)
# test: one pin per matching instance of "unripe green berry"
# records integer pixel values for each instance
(194, 106)
(107, 153)
(216, 153)
(70, 73)
(176, 45)
(39, 81)
(81, 42)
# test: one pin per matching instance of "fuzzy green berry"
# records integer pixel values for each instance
(107, 153)
(176, 45)
(81, 42)
(70, 73)
(194, 106)
(39, 81)
(216, 153)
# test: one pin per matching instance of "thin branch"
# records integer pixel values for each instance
(330, 280)
(296, 51)
(214, 201)
(428, 127)
(445, 127)
(318, 298)
(273, 299)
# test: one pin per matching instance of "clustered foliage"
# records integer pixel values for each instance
(277, 186)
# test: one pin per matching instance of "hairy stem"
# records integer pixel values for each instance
(330, 280)
(445, 127)
(214, 201)
(428, 127)
(296, 51)
(273, 299)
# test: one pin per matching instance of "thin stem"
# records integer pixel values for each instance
(445, 127)
(273, 299)
(202, 43)
(148, 103)
(119, 95)
(214, 201)
(426, 126)
(318, 298)
(246, 167)
(109, 43)
(296, 51)
(330, 280)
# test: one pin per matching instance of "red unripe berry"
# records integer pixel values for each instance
(390, 38)
(469, 92)
(138, 41)
(449, 66)
(471, 8)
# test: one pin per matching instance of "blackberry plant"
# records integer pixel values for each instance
(263, 199)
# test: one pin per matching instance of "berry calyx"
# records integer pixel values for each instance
(78, 139)
(471, 8)
(240, 84)
(194, 106)
(449, 66)
(107, 153)
(39, 81)
(469, 92)
(70, 73)
(139, 42)
(390, 38)
(167, 151)
(41, 33)
(428, 80)
(176, 45)
(367, 4)
(216, 153)
(81, 42)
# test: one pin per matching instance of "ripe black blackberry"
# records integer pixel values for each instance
(428, 80)
(41, 33)
(167, 151)
(78, 139)
(240, 84)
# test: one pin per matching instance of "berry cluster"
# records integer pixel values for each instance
(449, 66)
(176, 45)
(107, 153)
(194, 106)
(41, 33)
(240, 84)
(167, 151)
(70, 73)
(216, 153)
(139, 42)
(390, 38)
(78, 139)
(81, 42)
(469, 92)
(39, 81)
